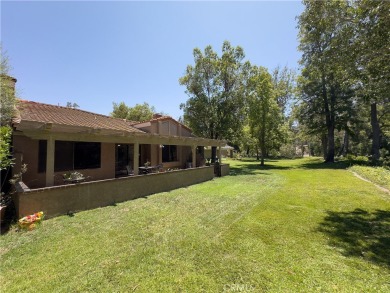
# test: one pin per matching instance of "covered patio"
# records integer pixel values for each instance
(54, 140)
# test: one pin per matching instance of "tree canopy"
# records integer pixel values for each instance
(215, 86)
(345, 70)
(7, 108)
(265, 116)
(140, 112)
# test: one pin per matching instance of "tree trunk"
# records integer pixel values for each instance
(324, 142)
(263, 154)
(330, 120)
(330, 155)
(375, 133)
(263, 149)
(345, 148)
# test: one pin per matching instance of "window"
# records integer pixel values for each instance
(63, 156)
(71, 155)
(86, 155)
(169, 153)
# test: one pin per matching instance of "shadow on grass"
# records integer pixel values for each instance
(254, 169)
(316, 165)
(360, 234)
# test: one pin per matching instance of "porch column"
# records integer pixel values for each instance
(220, 154)
(50, 162)
(193, 156)
(136, 158)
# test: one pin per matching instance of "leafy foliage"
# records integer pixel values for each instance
(7, 91)
(140, 112)
(344, 81)
(7, 111)
(5, 151)
(265, 117)
(215, 86)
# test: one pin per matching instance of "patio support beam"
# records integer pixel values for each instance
(220, 154)
(50, 161)
(136, 158)
(193, 148)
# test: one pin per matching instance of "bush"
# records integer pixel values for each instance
(356, 160)
(288, 151)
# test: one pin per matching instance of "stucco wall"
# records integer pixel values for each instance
(225, 169)
(58, 200)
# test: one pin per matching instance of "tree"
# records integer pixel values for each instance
(215, 86)
(7, 109)
(284, 85)
(72, 105)
(120, 110)
(371, 66)
(265, 117)
(325, 32)
(140, 112)
(7, 93)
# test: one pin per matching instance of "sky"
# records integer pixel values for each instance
(94, 53)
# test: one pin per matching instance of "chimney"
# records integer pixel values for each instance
(157, 115)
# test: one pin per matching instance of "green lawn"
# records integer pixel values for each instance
(292, 226)
(378, 175)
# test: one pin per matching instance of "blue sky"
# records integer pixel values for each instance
(96, 52)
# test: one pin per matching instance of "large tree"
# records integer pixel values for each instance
(215, 86)
(371, 66)
(265, 117)
(324, 32)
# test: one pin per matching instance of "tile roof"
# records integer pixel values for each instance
(45, 113)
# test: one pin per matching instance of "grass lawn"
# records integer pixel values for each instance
(378, 175)
(292, 226)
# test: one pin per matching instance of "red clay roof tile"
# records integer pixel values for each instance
(45, 113)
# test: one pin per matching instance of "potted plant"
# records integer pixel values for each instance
(73, 176)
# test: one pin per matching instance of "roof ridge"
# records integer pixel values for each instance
(162, 118)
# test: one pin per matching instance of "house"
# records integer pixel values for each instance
(53, 139)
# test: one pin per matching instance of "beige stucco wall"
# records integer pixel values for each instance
(225, 169)
(58, 200)
(26, 151)
(155, 154)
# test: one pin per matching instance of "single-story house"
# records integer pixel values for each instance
(53, 140)
(112, 153)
